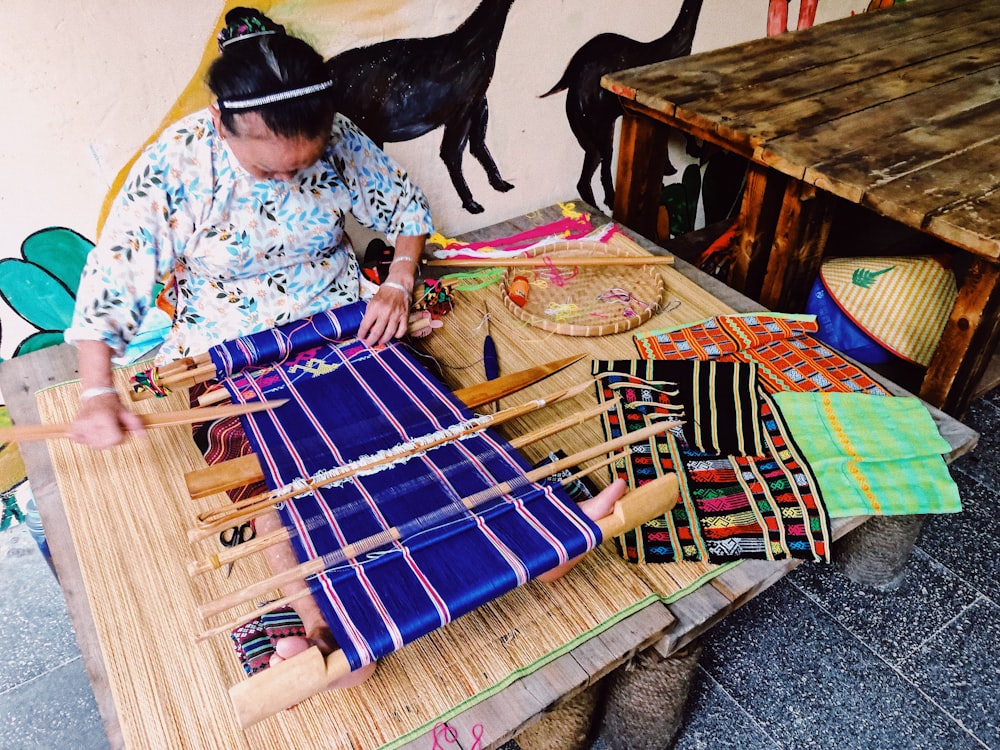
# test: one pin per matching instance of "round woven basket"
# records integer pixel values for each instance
(586, 300)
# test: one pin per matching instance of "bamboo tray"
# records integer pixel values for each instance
(587, 300)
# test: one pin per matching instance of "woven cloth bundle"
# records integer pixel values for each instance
(351, 405)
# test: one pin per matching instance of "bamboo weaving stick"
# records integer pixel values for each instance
(163, 419)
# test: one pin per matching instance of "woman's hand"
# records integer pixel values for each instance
(103, 421)
(388, 315)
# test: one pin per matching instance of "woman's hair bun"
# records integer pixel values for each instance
(246, 23)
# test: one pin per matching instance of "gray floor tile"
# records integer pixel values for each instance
(55, 710)
(714, 721)
(810, 684)
(33, 618)
(966, 542)
(958, 670)
(984, 417)
(893, 624)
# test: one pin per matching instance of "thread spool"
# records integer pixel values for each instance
(518, 291)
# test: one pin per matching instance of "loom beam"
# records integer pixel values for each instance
(54, 431)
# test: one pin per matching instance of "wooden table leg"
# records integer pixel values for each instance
(968, 341)
(642, 155)
(759, 212)
(799, 243)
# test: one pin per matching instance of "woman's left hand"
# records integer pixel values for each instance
(387, 317)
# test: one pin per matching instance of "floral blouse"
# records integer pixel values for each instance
(245, 254)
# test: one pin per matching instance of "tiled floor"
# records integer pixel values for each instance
(813, 662)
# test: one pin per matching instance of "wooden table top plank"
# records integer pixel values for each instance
(704, 74)
(852, 175)
(974, 224)
(846, 132)
(936, 191)
(741, 114)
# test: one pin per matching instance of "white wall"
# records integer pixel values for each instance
(84, 84)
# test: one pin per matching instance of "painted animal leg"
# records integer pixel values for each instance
(477, 146)
(456, 135)
(607, 146)
(591, 158)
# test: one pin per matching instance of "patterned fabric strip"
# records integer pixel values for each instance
(731, 507)
(872, 455)
(277, 344)
(787, 357)
(349, 403)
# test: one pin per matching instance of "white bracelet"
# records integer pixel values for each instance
(400, 287)
(401, 258)
(100, 390)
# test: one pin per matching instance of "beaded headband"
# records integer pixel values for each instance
(278, 96)
(245, 28)
(226, 42)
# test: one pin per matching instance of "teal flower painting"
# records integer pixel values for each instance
(41, 285)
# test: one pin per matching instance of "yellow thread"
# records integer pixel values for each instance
(853, 463)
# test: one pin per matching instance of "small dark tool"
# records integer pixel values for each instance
(235, 536)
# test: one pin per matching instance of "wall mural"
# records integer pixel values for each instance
(399, 90)
(592, 110)
(403, 88)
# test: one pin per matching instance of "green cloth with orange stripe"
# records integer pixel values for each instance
(871, 454)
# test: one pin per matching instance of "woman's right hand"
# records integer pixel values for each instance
(103, 421)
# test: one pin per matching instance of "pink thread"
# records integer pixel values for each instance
(450, 736)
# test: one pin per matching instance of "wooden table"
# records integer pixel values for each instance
(896, 110)
(669, 627)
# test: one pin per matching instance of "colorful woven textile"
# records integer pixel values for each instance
(731, 506)
(872, 455)
(254, 641)
(352, 406)
(787, 358)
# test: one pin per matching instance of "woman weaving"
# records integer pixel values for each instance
(244, 205)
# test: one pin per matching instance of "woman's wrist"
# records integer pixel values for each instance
(95, 392)
(407, 290)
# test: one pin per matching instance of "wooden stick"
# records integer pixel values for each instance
(505, 385)
(639, 506)
(473, 395)
(19, 433)
(217, 519)
(238, 472)
(536, 261)
(286, 684)
(362, 546)
(571, 421)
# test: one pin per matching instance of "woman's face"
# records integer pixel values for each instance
(264, 154)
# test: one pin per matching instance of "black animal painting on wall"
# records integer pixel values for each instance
(592, 111)
(400, 89)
